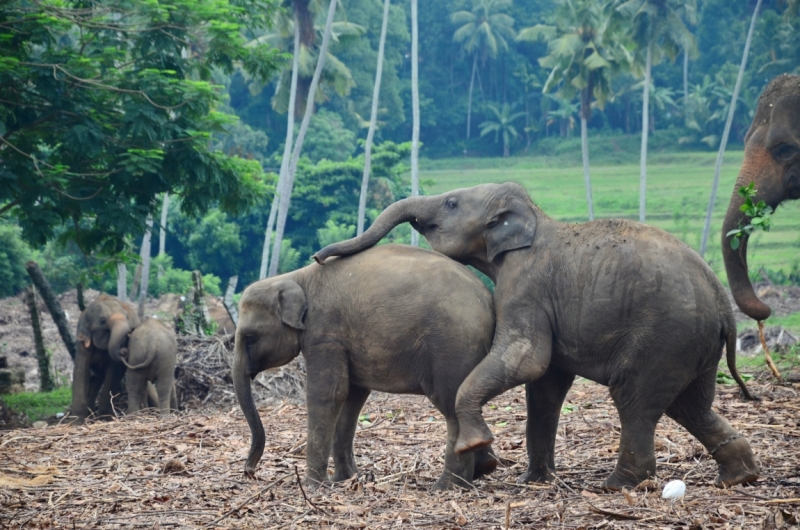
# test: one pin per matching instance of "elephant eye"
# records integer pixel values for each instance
(784, 152)
(249, 340)
(452, 203)
(102, 321)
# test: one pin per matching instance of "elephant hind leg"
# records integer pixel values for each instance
(458, 469)
(165, 387)
(173, 398)
(692, 409)
(344, 460)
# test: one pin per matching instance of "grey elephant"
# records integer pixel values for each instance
(103, 329)
(772, 161)
(151, 356)
(623, 304)
(394, 319)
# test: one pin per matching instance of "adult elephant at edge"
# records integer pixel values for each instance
(103, 329)
(772, 161)
(395, 319)
(621, 303)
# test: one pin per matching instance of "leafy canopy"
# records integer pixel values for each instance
(107, 104)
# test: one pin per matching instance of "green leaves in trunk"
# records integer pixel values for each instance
(759, 214)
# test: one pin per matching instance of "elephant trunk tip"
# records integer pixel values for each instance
(755, 309)
(319, 258)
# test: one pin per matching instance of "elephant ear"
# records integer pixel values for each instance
(292, 304)
(511, 225)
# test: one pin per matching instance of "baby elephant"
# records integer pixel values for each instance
(151, 356)
(394, 319)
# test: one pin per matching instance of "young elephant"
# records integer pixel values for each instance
(617, 302)
(395, 319)
(151, 356)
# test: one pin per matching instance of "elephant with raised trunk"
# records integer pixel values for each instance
(394, 319)
(772, 161)
(623, 304)
(103, 330)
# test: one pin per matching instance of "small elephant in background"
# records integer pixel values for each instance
(103, 330)
(394, 319)
(151, 356)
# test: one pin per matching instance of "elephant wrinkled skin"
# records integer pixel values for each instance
(772, 161)
(623, 304)
(394, 319)
(103, 330)
(151, 356)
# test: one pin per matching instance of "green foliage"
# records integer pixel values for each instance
(39, 405)
(724, 378)
(290, 258)
(13, 255)
(759, 214)
(790, 277)
(328, 139)
(333, 232)
(176, 280)
(107, 105)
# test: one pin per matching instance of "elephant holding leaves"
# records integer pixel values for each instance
(772, 162)
(617, 302)
(394, 319)
(103, 330)
(151, 356)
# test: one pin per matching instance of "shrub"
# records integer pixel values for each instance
(13, 255)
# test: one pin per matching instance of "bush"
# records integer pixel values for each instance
(13, 255)
(177, 281)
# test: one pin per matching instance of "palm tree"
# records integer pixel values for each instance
(373, 120)
(484, 31)
(414, 111)
(162, 232)
(503, 124)
(145, 264)
(724, 142)
(284, 193)
(657, 29)
(584, 52)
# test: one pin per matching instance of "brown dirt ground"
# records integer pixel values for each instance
(185, 471)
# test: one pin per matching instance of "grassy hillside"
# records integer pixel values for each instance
(678, 189)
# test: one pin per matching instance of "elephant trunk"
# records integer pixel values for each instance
(244, 394)
(119, 336)
(395, 214)
(736, 260)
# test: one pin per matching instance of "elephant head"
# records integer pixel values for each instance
(772, 161)
(105, 324)
(471, 225)
(268, 335)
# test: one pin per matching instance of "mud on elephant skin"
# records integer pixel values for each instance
(623, 304)
(772, 162)
(394, 319)
(151, 356)
(103, 329)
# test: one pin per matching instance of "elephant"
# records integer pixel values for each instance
(617, 302)
(394, 319)
(772, 162)
(103, 329)
(151, 356)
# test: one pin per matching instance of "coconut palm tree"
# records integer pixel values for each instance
(657, 30)
(502, 125)
(483, 32)
(724, 142)
(373, 121)
(162, 232)
(584, 53)
(414, 111)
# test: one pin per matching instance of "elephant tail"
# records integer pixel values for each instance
(730, 355)
(151, 354)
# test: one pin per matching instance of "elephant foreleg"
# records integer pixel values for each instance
(344, 461)
(544, 397)
(511, 362)
(111, 386)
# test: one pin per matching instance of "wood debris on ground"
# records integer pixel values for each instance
(186, 471)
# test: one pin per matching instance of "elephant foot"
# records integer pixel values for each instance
(472, 437)
(344, 474)
(736, 462)
(450, 481)
(537, 474)
(485, 463)
(313, 484)
(626, 479)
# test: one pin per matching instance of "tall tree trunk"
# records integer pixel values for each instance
(46, 383)
(414, 111)
(373, 121)
(122, 282)
(469, 98)
(724, 142)
(162, 233)
(645, 129)
(145, 264)
(55, 309)
(286, 191)
(287, 151)
(586, 176)
(685, 84)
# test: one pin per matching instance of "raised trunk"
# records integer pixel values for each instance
(373, 122)
(399, 212)
(645, 130)
(414, 111)
(244, 395)
(119, 337)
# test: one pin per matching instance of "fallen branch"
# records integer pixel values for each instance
(767, 356)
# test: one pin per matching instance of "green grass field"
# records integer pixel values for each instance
(678, 190)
